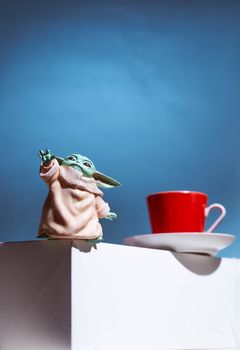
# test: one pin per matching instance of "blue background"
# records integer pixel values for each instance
(148, 90)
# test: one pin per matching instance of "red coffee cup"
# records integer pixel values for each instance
(181, 211)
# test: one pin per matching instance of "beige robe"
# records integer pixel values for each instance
(73, 205)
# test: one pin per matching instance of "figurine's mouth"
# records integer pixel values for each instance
(76, 167)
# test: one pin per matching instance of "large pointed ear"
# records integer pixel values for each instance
(59, 160)
(105, 181)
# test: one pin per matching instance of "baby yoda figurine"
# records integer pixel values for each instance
(74, 203)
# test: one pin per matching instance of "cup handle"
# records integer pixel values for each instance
(219, 219)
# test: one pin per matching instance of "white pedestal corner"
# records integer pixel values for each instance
(59, 295)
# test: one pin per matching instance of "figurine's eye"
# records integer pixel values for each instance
(71, 158)
(87, 164)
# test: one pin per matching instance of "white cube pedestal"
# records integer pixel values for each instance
(55, 295)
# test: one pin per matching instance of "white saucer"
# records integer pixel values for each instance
(183, 242)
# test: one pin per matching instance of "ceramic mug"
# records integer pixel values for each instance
(181, 211)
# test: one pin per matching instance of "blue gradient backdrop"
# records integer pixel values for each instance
(148, 90)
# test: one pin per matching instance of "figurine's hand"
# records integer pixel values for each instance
(111, 216)
(46, 156)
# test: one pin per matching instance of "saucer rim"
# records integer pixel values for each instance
(205, 234)
(212, 251)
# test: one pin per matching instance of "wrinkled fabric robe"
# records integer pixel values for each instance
(73, 205)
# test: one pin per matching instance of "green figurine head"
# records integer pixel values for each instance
(80, 163)
(87, 168)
